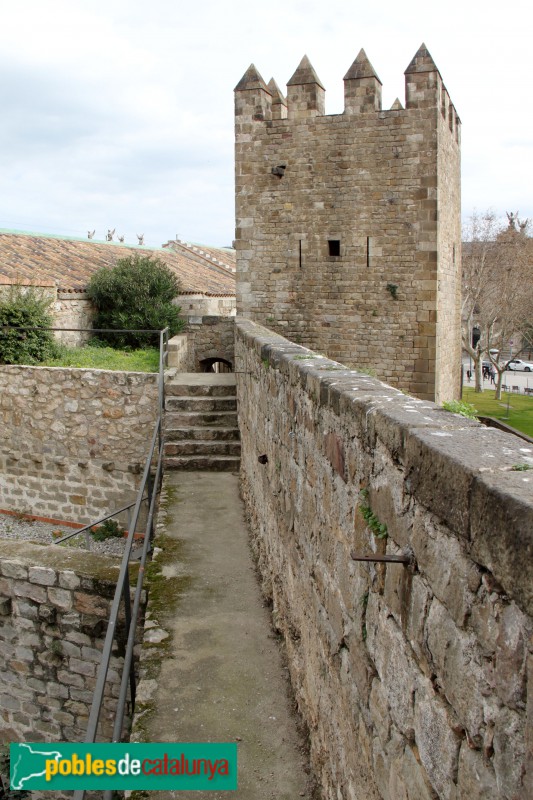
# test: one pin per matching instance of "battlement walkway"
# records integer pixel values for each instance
(222, 677)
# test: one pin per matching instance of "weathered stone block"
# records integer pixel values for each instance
(42, 575)
(509, 754)
(476, 779)
(501, 525)
(30, 590)
(69, 580)
(14, 569)
(437, 744)
(458, 668)
(62, 598)
(451, 576)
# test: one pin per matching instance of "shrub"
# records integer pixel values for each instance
(25, 307)
(136, 293)
(110, 529)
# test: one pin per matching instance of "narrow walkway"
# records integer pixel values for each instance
(223, 678)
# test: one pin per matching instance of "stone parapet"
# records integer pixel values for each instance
(415, 680)
(54, 606)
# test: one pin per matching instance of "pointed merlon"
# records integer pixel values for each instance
(422, 61)
(275, 91)
(304, 74)
(361, 68)
(396, 106)
(251, 80)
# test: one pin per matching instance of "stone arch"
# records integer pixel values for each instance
(215, 364)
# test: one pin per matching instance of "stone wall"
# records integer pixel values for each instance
(73, 310)
(416, 681)
(348, 225)
(178, 353)
(210, 338)
(73, 442)
(201, 305)
(54, 607)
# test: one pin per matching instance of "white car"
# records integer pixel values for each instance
(517, 363)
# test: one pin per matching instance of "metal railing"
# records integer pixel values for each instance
(148, 492)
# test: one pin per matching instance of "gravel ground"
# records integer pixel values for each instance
(13, 528)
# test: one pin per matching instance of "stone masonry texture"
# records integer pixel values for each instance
(205, 339)
(54, 606)
(73, 442)
(416, 682)
(348, 231)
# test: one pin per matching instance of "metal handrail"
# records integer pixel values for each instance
(87, 528)
(151, 486)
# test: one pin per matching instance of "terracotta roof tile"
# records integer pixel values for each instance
(68, 263)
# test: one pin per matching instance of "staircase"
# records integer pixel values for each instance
(201, 428)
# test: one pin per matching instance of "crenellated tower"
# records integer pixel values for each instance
(348, 229)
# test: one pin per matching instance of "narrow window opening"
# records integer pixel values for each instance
(334, 246)
(300, 252)
(368, 251)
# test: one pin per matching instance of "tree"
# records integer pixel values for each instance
(497, 292)
(25, 307)
(137, 293)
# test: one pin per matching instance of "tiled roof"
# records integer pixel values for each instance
(68, 263)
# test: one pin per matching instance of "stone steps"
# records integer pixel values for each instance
(200, 419)
(217, 434)
(191, 447)
(214, 463)
(201, 426)
(201, 403)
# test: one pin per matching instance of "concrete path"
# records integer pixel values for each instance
(224, 678)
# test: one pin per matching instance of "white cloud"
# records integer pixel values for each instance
(120, 113)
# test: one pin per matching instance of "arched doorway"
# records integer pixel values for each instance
(216, 364)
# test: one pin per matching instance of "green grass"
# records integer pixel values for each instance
(520, 408)
(106, 358)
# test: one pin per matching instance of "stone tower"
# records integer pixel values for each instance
(348, 230)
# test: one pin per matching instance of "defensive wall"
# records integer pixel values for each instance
(54, 605)
(348, 233)
(415, 680)
(73, 441)
(206, 339)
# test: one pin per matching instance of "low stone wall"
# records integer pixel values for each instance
(73, 442)
(416, 681)
(178, 353)
(54, 607)
(210, 338)
(73, 310)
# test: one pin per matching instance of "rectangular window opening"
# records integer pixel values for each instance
(334, 247)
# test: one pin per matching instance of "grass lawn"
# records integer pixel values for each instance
(146, 360)
(520, 408)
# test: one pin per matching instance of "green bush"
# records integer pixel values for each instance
(25, 307)
(137, 293)
(110, 529)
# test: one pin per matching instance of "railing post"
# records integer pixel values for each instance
(127, 611)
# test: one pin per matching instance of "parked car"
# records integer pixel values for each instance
(517, 363)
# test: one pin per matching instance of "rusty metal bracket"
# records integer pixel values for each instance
(403, 559)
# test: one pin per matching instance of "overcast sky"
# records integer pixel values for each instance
(119, 113)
